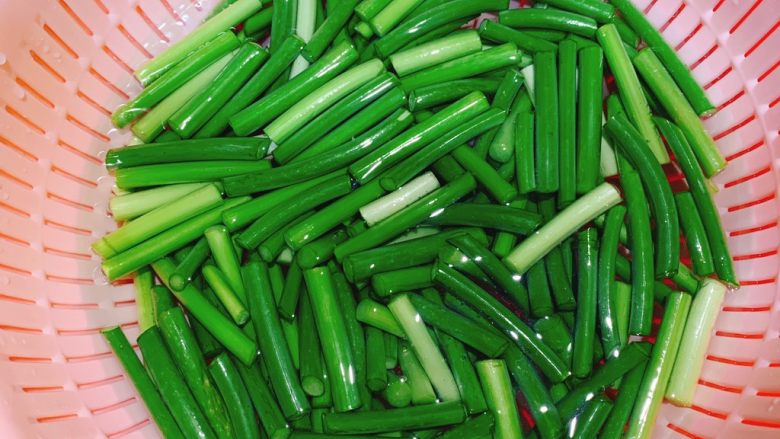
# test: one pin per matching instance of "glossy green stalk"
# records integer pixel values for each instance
(282, 22)
(273, 104)
(434, 18)
(540, 403)
(226, 258)
(339, 359)
(607, 285)
(171, 80)
(567, 121)
(434, 95)
(384, 421)
(630, 89)
(229, 17)
(187, 355)
(234, 391)
(479, 427)
(188, 150)
(135, 204)
(417, 137)
(154, 122)
(491, 216)
(277, 64)
(589, 114)
(588, 423)
(376, 374)
(264, 226)
(553, 19)
(157, 221)
(310, 351)
(436, 52)
(405, 219)
(338, 16)
(679, 71)
(585, 329)
(459, 327)
(405, 279)
(547, 152)
(500, 399)
(584, 209)
(379, 316)
(259, 22)
(633, 355)
(493, 31)
(397, 391)
(467, 66)
(229, 299)
(698, 329)
(492, 266)
(520, 333)
(271, 340)
(166, 242)
(185, 172)
(659, 368)
(144, 299)
(695, 236)
(144, 385)
(317, 101)
(667, 248)
(171, 385)
(197, 111)
(398, 175)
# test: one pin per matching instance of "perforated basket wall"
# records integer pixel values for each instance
(65, 64)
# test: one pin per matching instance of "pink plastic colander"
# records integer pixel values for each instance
(66, 64)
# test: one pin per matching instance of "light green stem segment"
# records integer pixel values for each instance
(568, 221)
(500, 398)
(219, 284)
(229, 17)
(436, 52)
(630, 89)
(135, 204)
(375, 314)
(321, 99)
(695, 339)
(392, 14)
(675, 103)
(153, 122)
(304, 28)
(430, 357)
(226, 257)
(659, 369)
(158, 220)
(142, 283)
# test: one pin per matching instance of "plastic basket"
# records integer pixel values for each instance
(65, 64)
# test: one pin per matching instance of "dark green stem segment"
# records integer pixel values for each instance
(630, 142)
(227, 148)
(477, 298)
(254, 87)
(525, 154)
(554, 19)
(264, 402)
(494, 268)
(633, 355)
(593, 416)
(585, 327)
(272, 221)
(339, 359)
(275, 103)
(490, 216)
(187, 355)
(385, 421)
(185, 172)
(641, 245)
(478, 427)
(414, 252)
(589, 111)
(234, 392)
(459, 327)
(433, 18)
(309, 351)
(678, 70)
(190, 264)
(547, 136)
(695, 237)
(607, 285)
(493, 31)
(271, 340)
(627, 392)
(218, 324)
(710, 217)
(540, 403)
(463, 372)
(171, 385)
(143, 383)
(338, 16)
